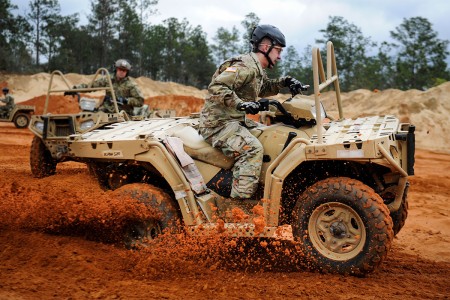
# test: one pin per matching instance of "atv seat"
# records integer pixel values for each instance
(197, 148)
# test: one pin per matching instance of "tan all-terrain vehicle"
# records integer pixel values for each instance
(20, 115)
(338, 188)
(49, 146)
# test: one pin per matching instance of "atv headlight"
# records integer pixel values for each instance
(88, 104)
(87, 125)
(39, 126)
(322, 111)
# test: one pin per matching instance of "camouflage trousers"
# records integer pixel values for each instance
(237, 142)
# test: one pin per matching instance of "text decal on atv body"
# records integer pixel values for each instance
(112, 153)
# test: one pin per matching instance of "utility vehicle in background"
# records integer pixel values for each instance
(51, 131)
(20, 115)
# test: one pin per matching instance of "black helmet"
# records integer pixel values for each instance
(269, 31)
(5, 90)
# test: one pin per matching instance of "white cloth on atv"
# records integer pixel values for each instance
(190, 170)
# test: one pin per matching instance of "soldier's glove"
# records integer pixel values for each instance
(295, 86)
(107, 99)
(263, 104)
(249, 107)
(122, 101)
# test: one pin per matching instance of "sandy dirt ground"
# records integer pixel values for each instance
(57, 242)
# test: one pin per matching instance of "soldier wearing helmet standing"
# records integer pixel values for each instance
(9, 103)
(233, 93)
(127, 92)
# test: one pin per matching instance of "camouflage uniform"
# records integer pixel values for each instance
(9, 104)
(125, 88)
(238, 79)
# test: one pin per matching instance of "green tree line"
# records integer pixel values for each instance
(44, 40)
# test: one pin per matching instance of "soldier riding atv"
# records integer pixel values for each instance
(337, 189)
(127, 93)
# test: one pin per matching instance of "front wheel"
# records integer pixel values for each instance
(42, 163)
(21, 120)
(343, 227)
(165, 215)
(399, 217)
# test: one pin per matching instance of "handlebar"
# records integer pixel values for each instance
(264, 106)
(278, 105)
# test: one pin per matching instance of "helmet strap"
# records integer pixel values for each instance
(266, 54)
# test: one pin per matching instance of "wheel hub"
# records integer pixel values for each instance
(338, 230)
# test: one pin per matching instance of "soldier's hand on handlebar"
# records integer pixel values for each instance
(249, 107)
(122, 101)
(263, 104)
(107, 99)
(295, 86)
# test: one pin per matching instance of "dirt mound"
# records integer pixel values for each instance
(56, 104)
(152, 88)
(427, 110)
(183, 105)
(25, 87)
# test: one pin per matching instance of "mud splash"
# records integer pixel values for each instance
(57, 206)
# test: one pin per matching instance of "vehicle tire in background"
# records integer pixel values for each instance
(42, 163)
(165, 214)
(21, 120)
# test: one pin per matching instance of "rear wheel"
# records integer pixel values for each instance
(42, 163)
(21, 120)
(343, 227)
(111, 176)
(165, 215)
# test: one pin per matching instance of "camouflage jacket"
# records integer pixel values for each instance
(8, 100)
(125, 88)
(238, 79)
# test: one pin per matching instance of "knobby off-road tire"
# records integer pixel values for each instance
(42, 163)
(138, 233)
(21, 120)
(399, 217)
(109, 176)
(343, 227)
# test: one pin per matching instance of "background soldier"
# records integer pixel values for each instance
(9, 102)
(233, 92)
(127, 92)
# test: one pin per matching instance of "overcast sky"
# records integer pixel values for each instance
(299, 20)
